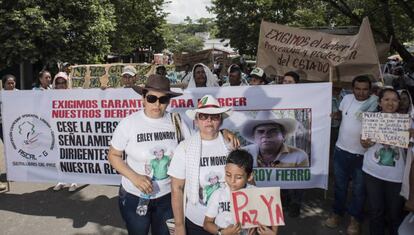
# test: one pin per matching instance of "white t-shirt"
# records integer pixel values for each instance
(149, 145)
(350, 129)
(385, 162)
(212, 162)
(219, 207)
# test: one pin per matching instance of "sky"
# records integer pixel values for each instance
(180, 9)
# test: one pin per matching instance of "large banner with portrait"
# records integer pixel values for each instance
(63, 135)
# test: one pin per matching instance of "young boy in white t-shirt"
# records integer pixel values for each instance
(218, 219)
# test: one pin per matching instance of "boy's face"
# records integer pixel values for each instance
(236, 177)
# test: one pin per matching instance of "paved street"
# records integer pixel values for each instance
(33, 208)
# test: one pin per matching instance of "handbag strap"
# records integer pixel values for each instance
(176, 119)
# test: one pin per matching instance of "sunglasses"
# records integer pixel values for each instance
(152, 99)
(213, 117)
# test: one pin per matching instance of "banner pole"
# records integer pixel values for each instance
(330, 73)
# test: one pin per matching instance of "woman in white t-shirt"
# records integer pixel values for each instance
(148, 138)
(198, 165)
(384, 167)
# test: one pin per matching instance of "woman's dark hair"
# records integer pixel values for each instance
(294, 75)
(402, 109)
(7, 77)
(41, 73)
(198, 65)
(242, 159)
(382, 92)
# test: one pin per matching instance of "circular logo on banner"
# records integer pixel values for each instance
(32, 137)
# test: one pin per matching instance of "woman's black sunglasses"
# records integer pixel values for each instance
(152, 99)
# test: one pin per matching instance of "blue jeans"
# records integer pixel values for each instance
(159, 211)
(347, 167)
(193, 229)
(384, 199)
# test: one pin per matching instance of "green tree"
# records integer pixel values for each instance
(186, 43)
(139, 25)
(240, 20)
(49, 31)
(180, 37)
(390, 19)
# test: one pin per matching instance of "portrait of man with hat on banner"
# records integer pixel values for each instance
(268, 134)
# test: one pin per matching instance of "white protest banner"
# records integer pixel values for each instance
(386, 128)
(252, 206)
(282, 49)
(63, 135)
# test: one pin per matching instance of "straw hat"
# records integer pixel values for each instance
(208, 104)
(157, 82)
(267, 117)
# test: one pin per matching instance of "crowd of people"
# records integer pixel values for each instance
(164, 179)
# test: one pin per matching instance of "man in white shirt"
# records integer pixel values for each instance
(348, 157)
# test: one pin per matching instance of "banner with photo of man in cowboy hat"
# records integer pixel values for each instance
(285, 127)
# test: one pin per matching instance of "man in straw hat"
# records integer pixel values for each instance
(194, 159)
(268, 134)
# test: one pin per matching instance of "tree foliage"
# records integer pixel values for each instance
(187, 43)
(390, 19)
(240, 20)
(50, 31)
(139, 25)
(181, 37)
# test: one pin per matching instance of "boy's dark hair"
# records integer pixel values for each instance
(242, 159)
(294, 75)
(235, 69)
(362, 78)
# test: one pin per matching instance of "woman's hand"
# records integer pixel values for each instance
(231, 137)
(232, 229)
(264, 230)
(179, 230)
(367, 143)
(336, 115)
(143, 183)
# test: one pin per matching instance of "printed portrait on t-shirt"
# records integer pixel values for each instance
(387, 155)
(213, 181)
(158, 165)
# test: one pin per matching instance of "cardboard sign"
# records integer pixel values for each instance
(386, 128)
(284, 48)
(252, 206)
(98, 75)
